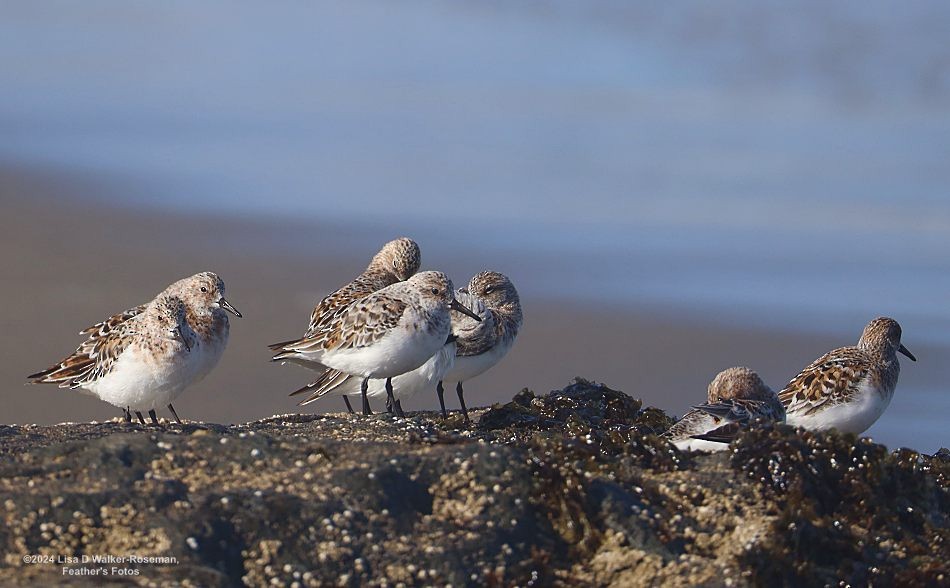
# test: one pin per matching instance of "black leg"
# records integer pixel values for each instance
(364, 388)
(458, 390)
(128, 415)
(349, 407)
(175, 414)
(397, 407)
(139, 415)
(391, 398)
(153, 416)
(441, 392)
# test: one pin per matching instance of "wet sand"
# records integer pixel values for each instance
(69, 262)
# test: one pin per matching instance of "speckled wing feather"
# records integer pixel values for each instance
(328, 308)
(736, 414)
(832, 378)
(733, 410)
(722, 421)
(693, 422)
(364, 322)
(323, 385)
(104, 327)
(94, 358)
(473, 337)
(327, 311)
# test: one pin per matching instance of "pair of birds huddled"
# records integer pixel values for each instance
(846, 389)
(391, 331)
(145, 357)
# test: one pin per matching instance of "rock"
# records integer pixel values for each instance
(569, 488)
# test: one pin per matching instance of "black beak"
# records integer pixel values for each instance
(457, 306)
(904, 350)
(227, 306)
(181, 338)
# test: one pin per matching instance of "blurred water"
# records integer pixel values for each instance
(773, 164)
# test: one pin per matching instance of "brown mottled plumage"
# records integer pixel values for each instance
(481, 345)
(734, 398)
(152, 329)
(397, 261)
(385, 334)
(148, 372)
(848, 388)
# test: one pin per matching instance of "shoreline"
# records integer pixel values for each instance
(54, 238)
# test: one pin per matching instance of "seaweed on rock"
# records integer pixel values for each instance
(848, 510)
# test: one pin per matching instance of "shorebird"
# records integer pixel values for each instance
(140, 364)
(482, 344)
(397, 261)
(848, 388)
(109, 364)
(387, 333)
(734, 398)
(423, 378)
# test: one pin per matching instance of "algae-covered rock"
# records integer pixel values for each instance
(568, 488)
(849, 510)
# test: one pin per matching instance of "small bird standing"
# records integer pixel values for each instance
(385, 334)
(397, 261)
(482, 344)
(849, 388)
(138, 364)
(734, 398)
(114, 344)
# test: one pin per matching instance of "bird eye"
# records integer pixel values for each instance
(203, 289)
(435, 291)
(488, 289)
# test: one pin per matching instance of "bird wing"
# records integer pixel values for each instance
(363, 323)
(329, 307)
(328, 310)
(94, 358)
(113, 321)
(833, 378)
(323, 385)
(693, 422)
(735, 414)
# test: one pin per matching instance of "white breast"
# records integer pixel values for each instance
(142, 381)
(399, 351)
(420, 380)
(700, 445)
(855, 416)
(469, 366)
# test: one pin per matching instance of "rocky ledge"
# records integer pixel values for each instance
(572, 488)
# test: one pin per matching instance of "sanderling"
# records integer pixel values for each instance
(735, 397)
(850, 387)
(481, 345)
(397, 261)
(202, 296)
(137, 364)
(387, 333)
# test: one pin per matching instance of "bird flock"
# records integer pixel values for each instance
(394, 332)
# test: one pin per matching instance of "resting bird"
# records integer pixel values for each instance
(735, 397)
